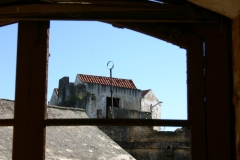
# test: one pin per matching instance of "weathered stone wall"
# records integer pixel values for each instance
(141, 142)
(82, 97)
(125, 113)
(145, 115)
(92, 104)
(69, 91)
(129, 98)
(61, 87)
(93, 98)
(144, 143)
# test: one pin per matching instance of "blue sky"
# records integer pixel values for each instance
(86, 47)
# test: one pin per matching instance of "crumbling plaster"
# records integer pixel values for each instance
(94, 98)
(129, 98)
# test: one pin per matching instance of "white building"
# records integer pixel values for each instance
(92, 93)
(150, 103)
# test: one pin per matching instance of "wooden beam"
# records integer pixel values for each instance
(195, 94)
(6, 22)
(171, 33)
(74, 8)
(116, 122)
(6, 122)
(236, 80)
(31, 91)
(8, 1)
(127, 12)
(219, 87)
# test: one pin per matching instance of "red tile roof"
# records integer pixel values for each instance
(144, 92)
(117, 82)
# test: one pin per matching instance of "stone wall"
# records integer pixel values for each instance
(69, 92)
(144, 143)
(61, 89)
(125, 113)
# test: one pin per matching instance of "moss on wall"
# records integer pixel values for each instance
(82, 96)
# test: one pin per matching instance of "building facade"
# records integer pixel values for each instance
(92, 93)
(150, 103)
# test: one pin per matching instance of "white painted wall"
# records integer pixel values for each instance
(77, 81)
(129, 98)
(148, 100)
(54, 98)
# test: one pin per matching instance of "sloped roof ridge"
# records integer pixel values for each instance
(117, 82)
(103, 76)
(144, 92)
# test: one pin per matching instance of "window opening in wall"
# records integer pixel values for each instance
(149, 75)
(65, 92)
(115, 102)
